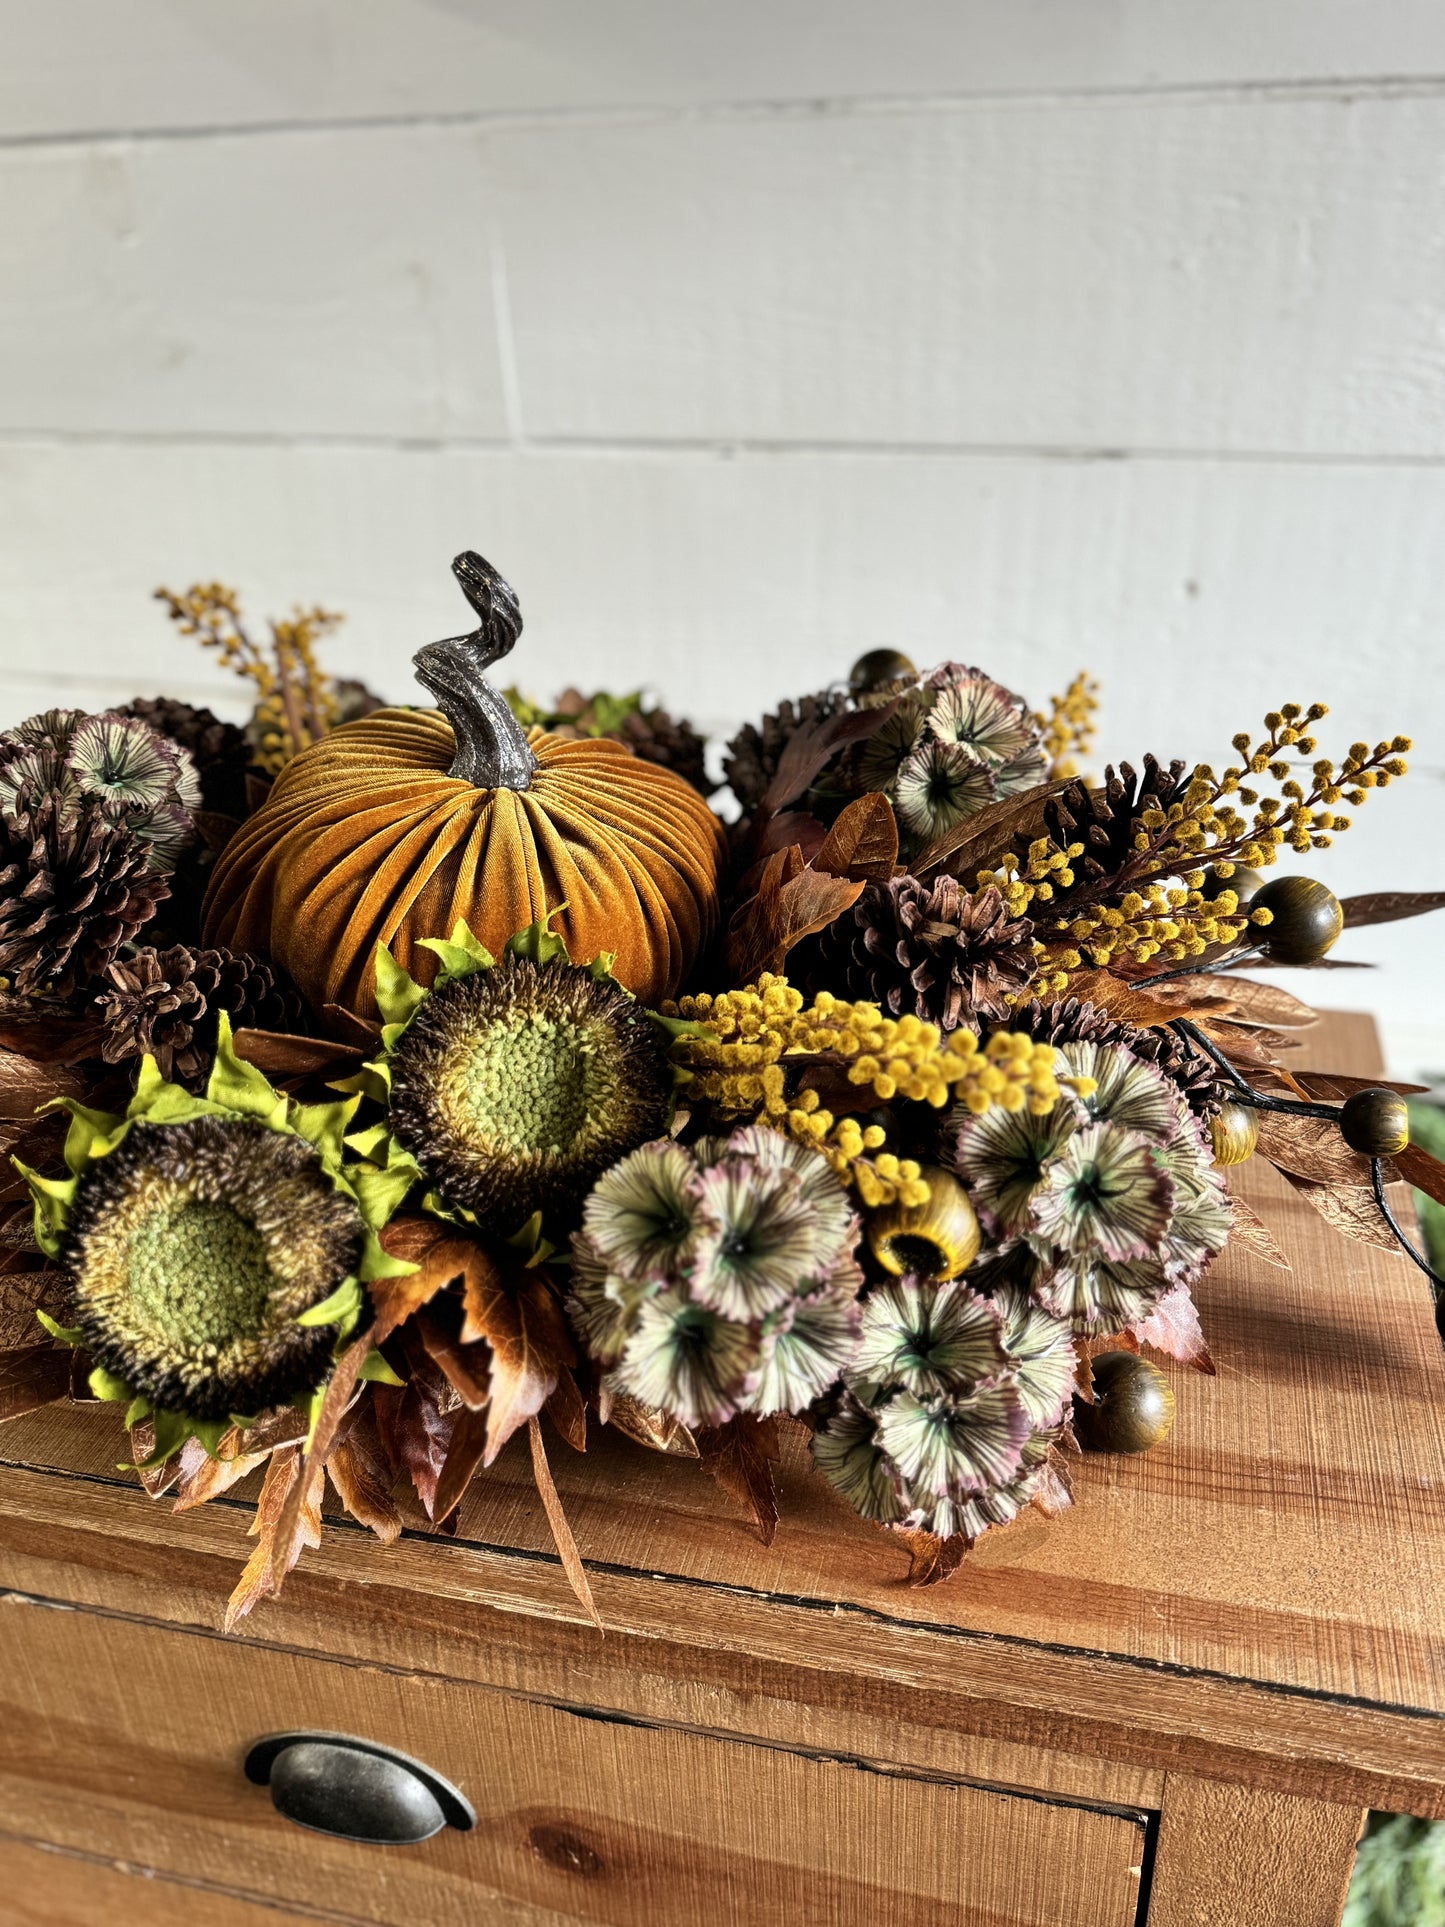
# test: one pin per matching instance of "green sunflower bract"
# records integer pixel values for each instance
(216, 1247)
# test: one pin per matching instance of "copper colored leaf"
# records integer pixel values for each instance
(765, 928)
(1142, 1004)
(1250, 1229)
(274, 1557)
(798, 827)
(1352, 1212)
(739, 1456)
(22, 1294)
(215, 828)
(1335, 1085)
(808, 749)
(47, 1032)
(415, 1433)
(863, 842)
(981, 840)
(465, 1450)
(347, 1028)
(557, 1519)
(156, 1480)
(32, 1376)
(521, 1319)
(658, 1431)
(1387, 906)
(26, 1085)
(1053, 1493)
(1426, 1173)
(340, 1389)
(1173, 1328)
(1268, 1004)
(281, 1054)
(359, 1471)
(441, 1257)
(930, 1559)
(1311, 1147)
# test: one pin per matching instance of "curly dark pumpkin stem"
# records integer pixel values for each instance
(492, 751)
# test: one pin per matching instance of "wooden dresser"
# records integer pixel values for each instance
(1170, 1706)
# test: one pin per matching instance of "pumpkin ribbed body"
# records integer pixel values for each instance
(366, 839)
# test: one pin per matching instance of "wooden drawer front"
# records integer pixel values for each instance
(43, 1887)
(124, 1739)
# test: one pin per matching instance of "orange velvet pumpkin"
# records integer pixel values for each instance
(372, 836)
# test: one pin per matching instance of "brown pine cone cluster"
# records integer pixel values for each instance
(219, 750)
(927, 951)
(165, 1003)
(74, 887)
(1071, 1022)
(753, 754)
(1106, 820)
(671, 742)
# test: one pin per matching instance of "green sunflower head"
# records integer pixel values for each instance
(514, 1083)
(216, 1247)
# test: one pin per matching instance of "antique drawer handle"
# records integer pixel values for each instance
(355, 1789)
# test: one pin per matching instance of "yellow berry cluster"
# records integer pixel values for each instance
(1068, 728)
(736, 1065)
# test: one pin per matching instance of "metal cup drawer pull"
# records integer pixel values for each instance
(354, 1789)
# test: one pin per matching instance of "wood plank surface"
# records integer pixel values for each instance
(47, 1886)
(1249, 1858)
(1255, 1602)
(615, 1821)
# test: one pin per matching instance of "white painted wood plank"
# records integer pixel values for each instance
(1200, 594)
(86, 65)
(1258, 277)
(296, 284)
(1255, 276)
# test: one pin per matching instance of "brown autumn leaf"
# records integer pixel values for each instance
(415, 1422)
(808, 749)
(557, 1520)
(567, 1410)
(156, 1480)
(1335, 1084)
(441, 1255)
(1143, 1005)
(1250, 1229)
(1173, 1328)
(466, 1368)
(465, 1450)
(1311, 1147)
(863, 842)
(46, 1032)
(778, 833)
(1054, 1491)
(274, 1556)
(1387, 906)
(521, 1319)
(215, 828)
(347, 1028)
(340, 1389)
(980, 840)
(240, 1450)
(739, 1457)
(359, 1470)
(1426, 1173)
(791, 903)
(658, 1431)
(32, 1376)
(22, 1294)
(1351, 1211)
(1267, 1004)
(930, 1559)
(26, 1085)
(281, 1054)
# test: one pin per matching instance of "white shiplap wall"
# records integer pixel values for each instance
(1043, 332)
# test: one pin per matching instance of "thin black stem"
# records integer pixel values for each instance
(1377, 1183)
(1257, 1100)
(1226, 962)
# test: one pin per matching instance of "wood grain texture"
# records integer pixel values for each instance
(1251, 1859)
(79, 65)
(699, 280)
(616, 1822)
(48, 1886)
(1255, 1602)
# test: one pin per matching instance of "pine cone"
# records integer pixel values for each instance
(1106, 820)
(166, 1002)
(1072, 1022)
(74, 886)
(673, 743)
(753, 754)
(934, 953)
(219, 750)
(353, 700)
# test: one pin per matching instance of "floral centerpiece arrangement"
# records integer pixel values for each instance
(379, 1082)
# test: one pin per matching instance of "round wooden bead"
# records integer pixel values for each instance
(1244, 882)
(1376, 1123)
(1305, 919)
(1234, 1132)
(1133, 1405)
(876, 667)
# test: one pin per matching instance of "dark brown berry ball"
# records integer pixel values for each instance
(876, 667)
(1376, 1123)
(1305, 919)
(1245, 883)
(1133, 1405)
